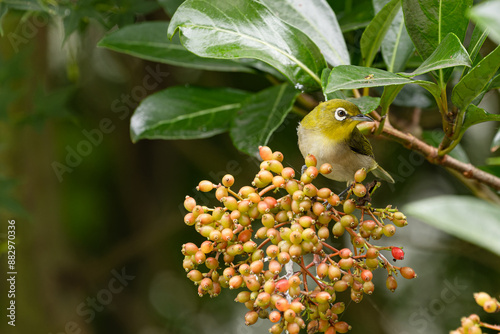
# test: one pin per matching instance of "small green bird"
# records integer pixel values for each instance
(329, 133)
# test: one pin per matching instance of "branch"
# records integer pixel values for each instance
(431, 154)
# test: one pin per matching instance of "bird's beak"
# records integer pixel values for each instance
(361, 118)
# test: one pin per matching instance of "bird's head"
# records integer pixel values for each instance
(335, 118)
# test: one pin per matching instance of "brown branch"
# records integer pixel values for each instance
(431, 154)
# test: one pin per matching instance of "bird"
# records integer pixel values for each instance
(329, 133)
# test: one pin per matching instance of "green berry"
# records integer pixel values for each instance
(360, 175)
(349, 206)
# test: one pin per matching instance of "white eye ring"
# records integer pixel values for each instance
(340, 114)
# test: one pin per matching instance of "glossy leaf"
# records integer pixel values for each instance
(149, 41)
(397, 46)
(366, 104)
(375, 32)
(468, 218)
(449, 53)
(185, 113)
(318, 21)
(485, 15)
(429, 21)
(476, 80)
(353, 77)
(476, 42)
(260, 115)
(475, 115)
(388, 96)
(230, 29)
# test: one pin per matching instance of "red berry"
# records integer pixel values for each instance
(275, 316)
(366, 275)
(397, 253)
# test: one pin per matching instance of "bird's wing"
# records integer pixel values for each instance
(359, 144)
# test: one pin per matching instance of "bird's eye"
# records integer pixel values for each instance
(340, 114)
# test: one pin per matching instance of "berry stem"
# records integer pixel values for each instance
(494, 327)
(331, 248)
(266, 189)
(305, 271)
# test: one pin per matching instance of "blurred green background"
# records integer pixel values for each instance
(117, 210)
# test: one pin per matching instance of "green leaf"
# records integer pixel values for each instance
(366, 104)
(464, 217)
(230, 29)
(318, 21)
(397, 46)
(495, 144)
(353, 77)
(485, 15)
(375, 32)
(170, 6)
(476, 42)
(476, 80)
(475, 115)
(449, 53)
(260, 115)
(185, 113)
(149, 41)
(353, 15)
(388, 96)
(429, 21)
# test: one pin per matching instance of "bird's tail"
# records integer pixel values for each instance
(381, 173)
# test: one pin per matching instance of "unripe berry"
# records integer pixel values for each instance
(324, 193)
(323, 297)
(369, 225)
(275, 316)
(230, 203)
(296, 237)
(249, 246)
(228, 258)
(279, 181)
(377, 233)
(338, 230)
(282, 304)
(334, 273)
(256, 266)
(288, 173)
(242, 297)
(345, 253)
(263, 299)
(244, 269)
(358, 241)
(306, 221)
(293, 328)
(356, 296)
(289, 315)
(251, 282)
(274, 267)
(389, 230)
(297, 307)
(359, 190)
(408, 273)
(322, 270)
(251, 318)
(391, 283)
(234, 249)
(206, 284)
(277, 155)
(212, 263)
(360, 175)
(368, 287)
(207, 246)
(349, 206)
(272, 251)
(366, 275)
(310, 160)
(189, 249)
(227, 234)
(323, 233)
(199, 257)
(311, 172)
(397, 253)
(338, 308)
(490, 306)
(333, 200)
(245, 191)
(205, 186)
(310, 190)
(189, 203)
(340, 286)
(291, 186)
(481, 298)
(318, 208)
(276, 329)
(294, 281)
(195, 275)
(342, 327)
(265, 177)
(220, 193)
(346, 264)
(265, 153)
(325, 168)
(189, 219)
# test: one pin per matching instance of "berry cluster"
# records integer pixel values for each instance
(472, 324)
(271, 240)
